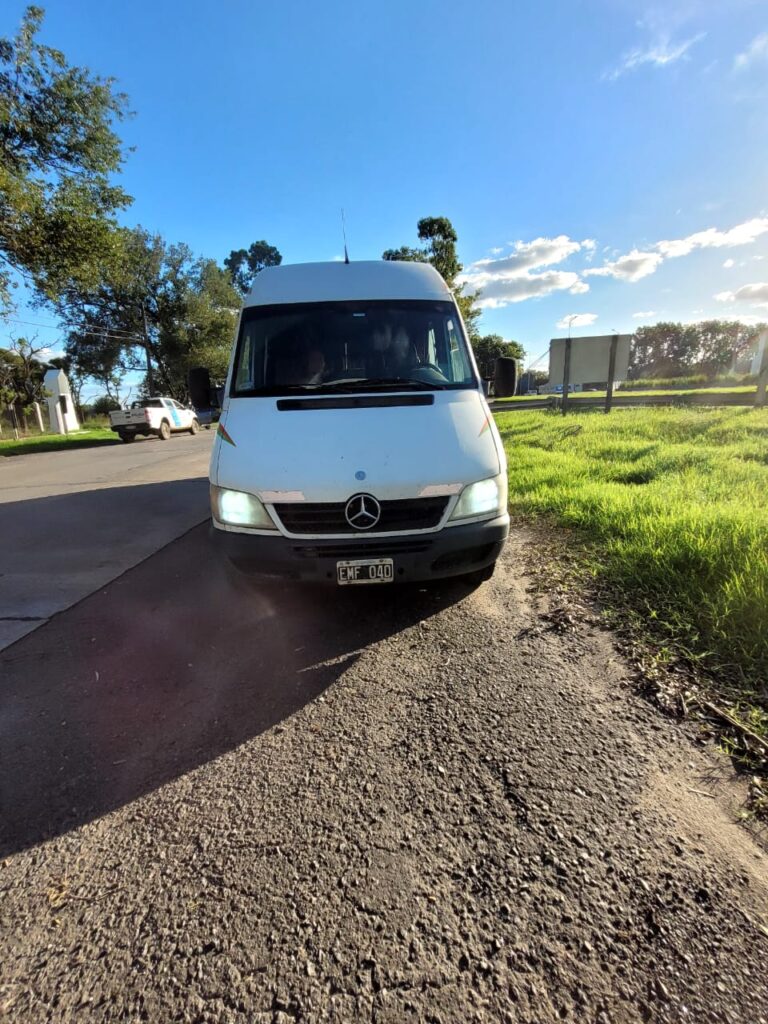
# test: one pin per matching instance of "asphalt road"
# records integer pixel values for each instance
(71, 521)
(386, 805)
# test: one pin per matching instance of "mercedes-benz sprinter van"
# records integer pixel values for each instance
(355, 445)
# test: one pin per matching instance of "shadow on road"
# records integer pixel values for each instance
(164, 670)
(56, 549)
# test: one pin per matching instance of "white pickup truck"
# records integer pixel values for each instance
(159, 416)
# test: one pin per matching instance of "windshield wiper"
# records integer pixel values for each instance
(372, 383)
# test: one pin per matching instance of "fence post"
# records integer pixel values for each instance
(38, 417)
(611, 373)
(566, 374)
(762, 380)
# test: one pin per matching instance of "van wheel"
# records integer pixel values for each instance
(127, 438)
(194, 428)
(479, 575)
(165, 430)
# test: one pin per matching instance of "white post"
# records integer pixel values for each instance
(757, 359)
(38, 416)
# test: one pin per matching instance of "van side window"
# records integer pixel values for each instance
(457, 363)
(431, 347)
(244, 378)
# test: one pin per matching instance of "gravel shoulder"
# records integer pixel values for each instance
(390, 805)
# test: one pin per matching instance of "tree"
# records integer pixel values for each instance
(159, 298)
(708, 347)
(244, 264)
(405, 254)
(490, 347)
(21, 377)
(57, 152)
(103, 406)
(440, 250)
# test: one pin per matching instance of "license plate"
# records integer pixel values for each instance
(365, 570)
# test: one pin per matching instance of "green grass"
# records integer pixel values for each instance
(672, 505)
(625, 392)
(57, 442)
(694, 380)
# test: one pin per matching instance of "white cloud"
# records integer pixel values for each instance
(576, 320)
(527, 270)
(645, 314)
(639, 264)
(500, 292)
(729, 263)
(541, 252)
(509, 278)
(496, 250)
(756, 51)
(750, 319)
(711, 238)
(632, 267)
(754, 294)
(658, 55)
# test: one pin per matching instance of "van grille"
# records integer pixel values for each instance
(328, 517)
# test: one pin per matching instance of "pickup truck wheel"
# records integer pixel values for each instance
(126, 437)
(165, 430)
(194, 428)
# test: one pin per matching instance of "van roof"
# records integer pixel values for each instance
(339, 282)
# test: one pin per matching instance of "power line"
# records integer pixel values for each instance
(116, 333)
(538, 360)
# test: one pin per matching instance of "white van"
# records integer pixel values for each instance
(355, 444)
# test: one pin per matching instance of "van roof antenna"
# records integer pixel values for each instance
(344, 233)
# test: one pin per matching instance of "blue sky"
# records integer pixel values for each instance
(638, 129)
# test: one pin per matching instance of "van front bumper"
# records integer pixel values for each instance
(452, 551)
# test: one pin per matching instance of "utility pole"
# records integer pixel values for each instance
(150, 380)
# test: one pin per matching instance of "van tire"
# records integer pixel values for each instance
(165, 430)
(194, 428)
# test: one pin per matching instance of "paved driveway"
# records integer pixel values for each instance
(72, 521)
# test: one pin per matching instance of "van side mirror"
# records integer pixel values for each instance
(200, 391)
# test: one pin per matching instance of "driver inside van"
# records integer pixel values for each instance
(314, 367)
(393, 351)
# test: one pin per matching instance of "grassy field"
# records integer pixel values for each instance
(739, 389)
(672, 506)
(57, 442)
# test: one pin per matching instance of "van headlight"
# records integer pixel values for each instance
(482, 498)
(238, 508)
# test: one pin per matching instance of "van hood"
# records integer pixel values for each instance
(327, 454)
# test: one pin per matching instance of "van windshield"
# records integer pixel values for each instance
(327, 347)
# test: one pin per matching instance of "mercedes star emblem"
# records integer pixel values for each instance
(362, 511)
